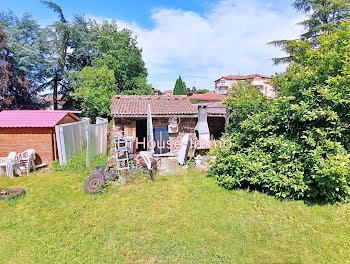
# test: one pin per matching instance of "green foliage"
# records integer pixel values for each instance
(295, 146)
(322, 16)
(22, 56)
(50, 58)
(83, 44)
(203, 91)
(26, 45)
(320, 79)
(119, 52)
(141, 87)
(180, 87)
(95, 88)
(191, 90)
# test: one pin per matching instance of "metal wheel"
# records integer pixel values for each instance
(94, 183)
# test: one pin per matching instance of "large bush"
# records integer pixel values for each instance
(295, 146)
(95, 88)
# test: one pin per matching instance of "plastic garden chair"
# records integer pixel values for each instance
(26, 160)
(3, 162)
(12, 164)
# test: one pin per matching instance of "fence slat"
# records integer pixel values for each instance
(96, 139)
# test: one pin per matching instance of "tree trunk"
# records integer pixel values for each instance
(54, 96)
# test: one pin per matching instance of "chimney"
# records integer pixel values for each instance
(202, 128)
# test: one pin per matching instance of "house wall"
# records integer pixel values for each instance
(187, 125)
(69, 118)
(20, 139)
(227, 85)
(263, 85)
(41, 139)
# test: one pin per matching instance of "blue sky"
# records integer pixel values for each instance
(199, 40)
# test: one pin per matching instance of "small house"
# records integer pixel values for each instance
(32, 129)
(129, 114)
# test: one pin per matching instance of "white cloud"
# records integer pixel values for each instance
(229, 39)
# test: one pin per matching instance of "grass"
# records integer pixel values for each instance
(184, 218)
(77, 163)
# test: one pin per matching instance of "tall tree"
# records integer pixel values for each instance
(82, 43)
(58, 35)
(15, 90)
(95, 89)
(24, 54)
(180, 87)
(26, 46)
(119, 52)
(323, 15)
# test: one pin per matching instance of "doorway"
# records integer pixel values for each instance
(141, 134)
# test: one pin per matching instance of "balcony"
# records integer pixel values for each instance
(258, 83)
(218, 85)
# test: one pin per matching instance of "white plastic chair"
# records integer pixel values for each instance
(12, 164)
(26, 159)
(3, 162)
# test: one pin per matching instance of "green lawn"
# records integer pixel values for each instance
(175, 219)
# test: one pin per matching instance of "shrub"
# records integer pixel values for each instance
(295, 146)
(285, 148)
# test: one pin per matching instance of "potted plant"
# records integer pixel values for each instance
(198, 160)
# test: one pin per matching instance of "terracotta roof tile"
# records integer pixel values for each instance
(210, 96)
(243, 77)
(125, 105)
(217, 108)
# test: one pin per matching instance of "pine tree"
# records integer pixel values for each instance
(16, 91)
(180, 87)
(323, 15)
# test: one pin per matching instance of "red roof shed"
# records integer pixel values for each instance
(32, 129)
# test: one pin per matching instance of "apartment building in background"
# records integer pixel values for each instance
(224, 84)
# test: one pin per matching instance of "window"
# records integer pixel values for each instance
(222, 81)
(222, 90)
(257, 79)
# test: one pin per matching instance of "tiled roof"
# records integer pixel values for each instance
(244, 77)
(210, 96)
(31, 118)
(126, 105)
(217, 108)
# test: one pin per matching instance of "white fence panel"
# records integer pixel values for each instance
(96, 139)
(71, 138)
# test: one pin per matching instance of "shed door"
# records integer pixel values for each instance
(161, 138)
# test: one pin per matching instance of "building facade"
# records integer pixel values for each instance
(129, 114)
(224, 84)
(167, 92)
